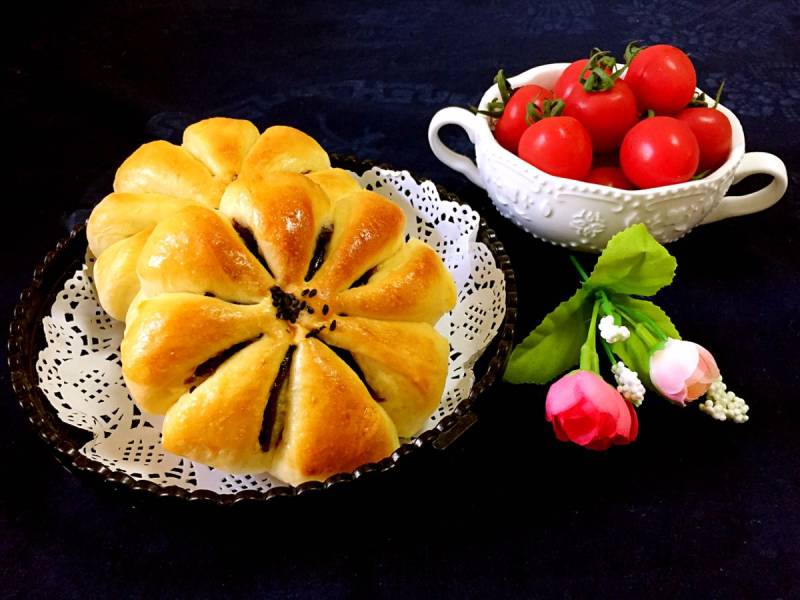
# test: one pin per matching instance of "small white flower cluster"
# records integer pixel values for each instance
(628, 384)
(724, 405)
(611, 332)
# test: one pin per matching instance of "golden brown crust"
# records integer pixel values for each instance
(219, 423)
(211, 365)
(115, 274)
(282, 148)
(412, 285)
(332, 423)
(196, 250)
(404, 363)
(285, 214)
(221, 144)
(163, 168)
(173, 334)
(336, 183)
(367, 229)
(121, 215)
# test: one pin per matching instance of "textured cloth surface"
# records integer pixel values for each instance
(694, 508)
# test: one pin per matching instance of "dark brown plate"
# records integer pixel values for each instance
(26, 339)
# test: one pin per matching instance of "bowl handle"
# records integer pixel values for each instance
(752, 164)
(452, 115)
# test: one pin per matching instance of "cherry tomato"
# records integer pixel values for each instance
(513, 123)
(610, 176)
(714, 135)
(663, 78)
(659, 151)
(607, 115)
(569, 79)
(560, 146)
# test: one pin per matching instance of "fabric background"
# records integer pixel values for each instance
(694, 508)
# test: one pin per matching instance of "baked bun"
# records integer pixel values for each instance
(161, 178)
(279, 320)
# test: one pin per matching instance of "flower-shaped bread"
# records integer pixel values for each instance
(290, 329)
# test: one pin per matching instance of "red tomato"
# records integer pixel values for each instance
(513, 123)
(714, 135)
(607, 115)
(659, 151)
(569, 79)
(560, 146)
(662, 77)
(610, 176)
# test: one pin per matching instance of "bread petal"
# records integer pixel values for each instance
(282, 148)
(197, 250)
(172, 335)
(115, 274)
(336, 183)
(412, 285)
(221, 144)
(120, 215)
(285, 214)
(405, 364)
(367, 229)
(219, 423)
(332, 423)
(163, 168)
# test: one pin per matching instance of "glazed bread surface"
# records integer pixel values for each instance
(275, 312)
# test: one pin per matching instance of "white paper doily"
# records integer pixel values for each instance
(80, 370)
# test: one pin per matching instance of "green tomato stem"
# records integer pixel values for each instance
(719, 94)
(502, 84)
(632, 49)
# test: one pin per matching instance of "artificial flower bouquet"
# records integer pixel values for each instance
(639, 340)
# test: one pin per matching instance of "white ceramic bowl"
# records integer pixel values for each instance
(583, 216)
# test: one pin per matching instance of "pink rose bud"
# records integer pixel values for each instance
(682, 371)
(586, 410)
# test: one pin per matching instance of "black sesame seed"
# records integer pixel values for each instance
(324, 309)
(312, 293)
(333, 325)
(304, 293)
(310, 310)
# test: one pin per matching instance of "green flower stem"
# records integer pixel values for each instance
(609, 351)
(647, 338)
(608, 306)
(660, 335)
(578, 267)
(627, 318)
(590, 361)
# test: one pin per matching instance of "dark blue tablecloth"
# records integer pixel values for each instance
(694, 509)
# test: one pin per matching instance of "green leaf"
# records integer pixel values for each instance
(633, 263)
(636, 351)
(555, 345)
